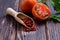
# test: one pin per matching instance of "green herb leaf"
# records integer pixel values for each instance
(56, 4)
(55, 18)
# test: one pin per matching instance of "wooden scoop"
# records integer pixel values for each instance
(15, 14)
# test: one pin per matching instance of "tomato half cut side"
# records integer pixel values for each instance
(41, 11)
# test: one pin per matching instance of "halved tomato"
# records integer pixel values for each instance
(27, 5)
(41, 11)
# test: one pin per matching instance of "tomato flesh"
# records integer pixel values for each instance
(41, 11)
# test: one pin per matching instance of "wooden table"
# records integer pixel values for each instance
(11, 30)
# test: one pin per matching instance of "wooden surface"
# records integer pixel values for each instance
(12, 30)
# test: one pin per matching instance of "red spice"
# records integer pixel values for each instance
(28, 30)
(28, 22)
(34, 28)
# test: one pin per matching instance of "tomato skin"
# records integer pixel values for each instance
(44, 10)
(27, 5)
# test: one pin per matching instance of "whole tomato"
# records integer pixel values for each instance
(41, 11)
(27, 5)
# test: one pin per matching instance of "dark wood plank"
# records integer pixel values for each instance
(53, 30)
(48, 2)
(7, 23)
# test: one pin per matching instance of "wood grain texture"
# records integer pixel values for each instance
(7, 23)
(53, 31)
(12, 30)
(53, 28)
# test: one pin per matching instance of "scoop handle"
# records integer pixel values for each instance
(11, 12)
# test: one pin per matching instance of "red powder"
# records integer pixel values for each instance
(28, 30)
(29, 24)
